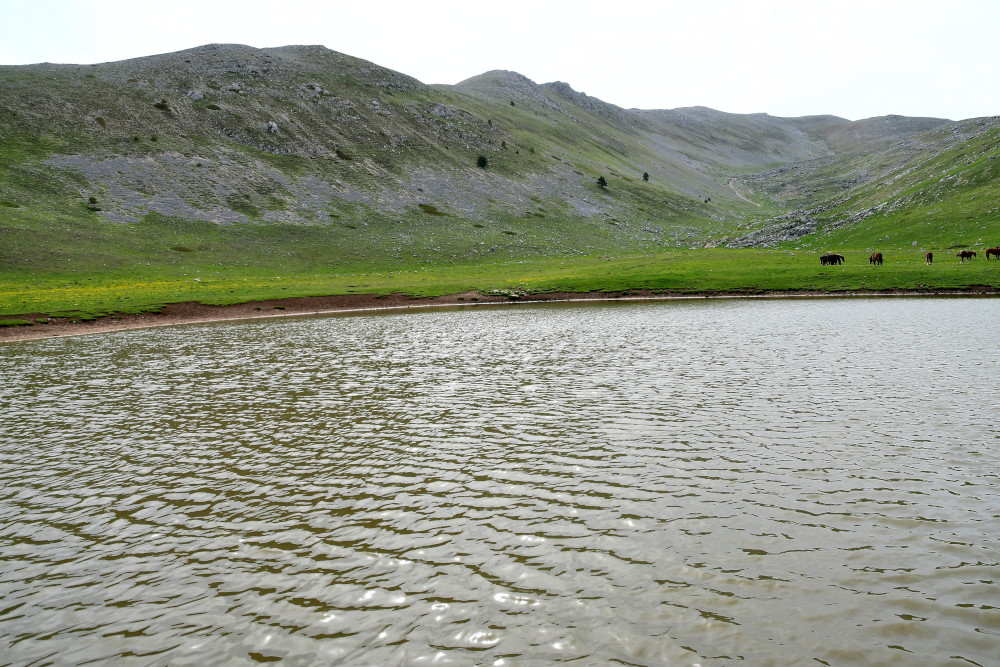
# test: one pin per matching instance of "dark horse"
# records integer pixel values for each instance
(928, 257)
(876, 258)
(831, 259)
(993, 251)
(965, 255)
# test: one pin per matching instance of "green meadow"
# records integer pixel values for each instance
(675, 272)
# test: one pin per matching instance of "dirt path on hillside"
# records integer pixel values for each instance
(732, 186)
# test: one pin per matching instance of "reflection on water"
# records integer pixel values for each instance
(767, 482)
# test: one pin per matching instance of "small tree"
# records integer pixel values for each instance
(645, 175)
(482, 162)
(603, 182)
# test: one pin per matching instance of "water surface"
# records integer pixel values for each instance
(712, 482)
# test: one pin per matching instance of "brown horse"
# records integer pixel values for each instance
(832, 258)
(993, 251)
(876, 258)
(928, 257)
(965, 255)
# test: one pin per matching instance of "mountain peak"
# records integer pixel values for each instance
(498, 78)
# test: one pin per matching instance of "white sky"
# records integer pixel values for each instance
(851, 58)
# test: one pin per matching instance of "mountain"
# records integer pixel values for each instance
(301, 149)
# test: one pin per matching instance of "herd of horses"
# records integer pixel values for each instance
(832, 259)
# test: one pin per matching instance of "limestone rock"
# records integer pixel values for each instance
(441, 110)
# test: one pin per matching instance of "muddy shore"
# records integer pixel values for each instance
(193, 313)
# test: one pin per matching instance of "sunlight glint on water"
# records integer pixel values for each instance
(773, 482)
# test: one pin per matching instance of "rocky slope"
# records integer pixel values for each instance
(303, 135)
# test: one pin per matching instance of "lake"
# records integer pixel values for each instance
(705, 482)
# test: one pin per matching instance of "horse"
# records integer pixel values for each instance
(993, 251)
(876, 258)
(827, 259)
(965, 255)
(928, 257)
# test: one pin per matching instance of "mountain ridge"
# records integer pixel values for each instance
(305, 136)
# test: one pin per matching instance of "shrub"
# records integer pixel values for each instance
(482, 162)
(430, 210)
(603, 182)
(645, 175)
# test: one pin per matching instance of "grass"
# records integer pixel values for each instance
(690, 271)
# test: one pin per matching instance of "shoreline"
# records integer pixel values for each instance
(190, 312)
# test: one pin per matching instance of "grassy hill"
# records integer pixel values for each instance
(229, 162)
(939, 189)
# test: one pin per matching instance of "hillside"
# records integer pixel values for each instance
(228, 155)
(940, 187)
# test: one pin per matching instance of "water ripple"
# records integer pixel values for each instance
(658, 483)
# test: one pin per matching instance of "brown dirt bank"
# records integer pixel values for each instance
(193, 312)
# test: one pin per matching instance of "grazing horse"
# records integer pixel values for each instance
(993, 251)
(965, 255)
(928, 257)
(876, 258)
(827, 259)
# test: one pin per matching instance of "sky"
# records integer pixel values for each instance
(850, 58)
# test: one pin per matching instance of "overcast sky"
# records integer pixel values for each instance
(851, 58)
